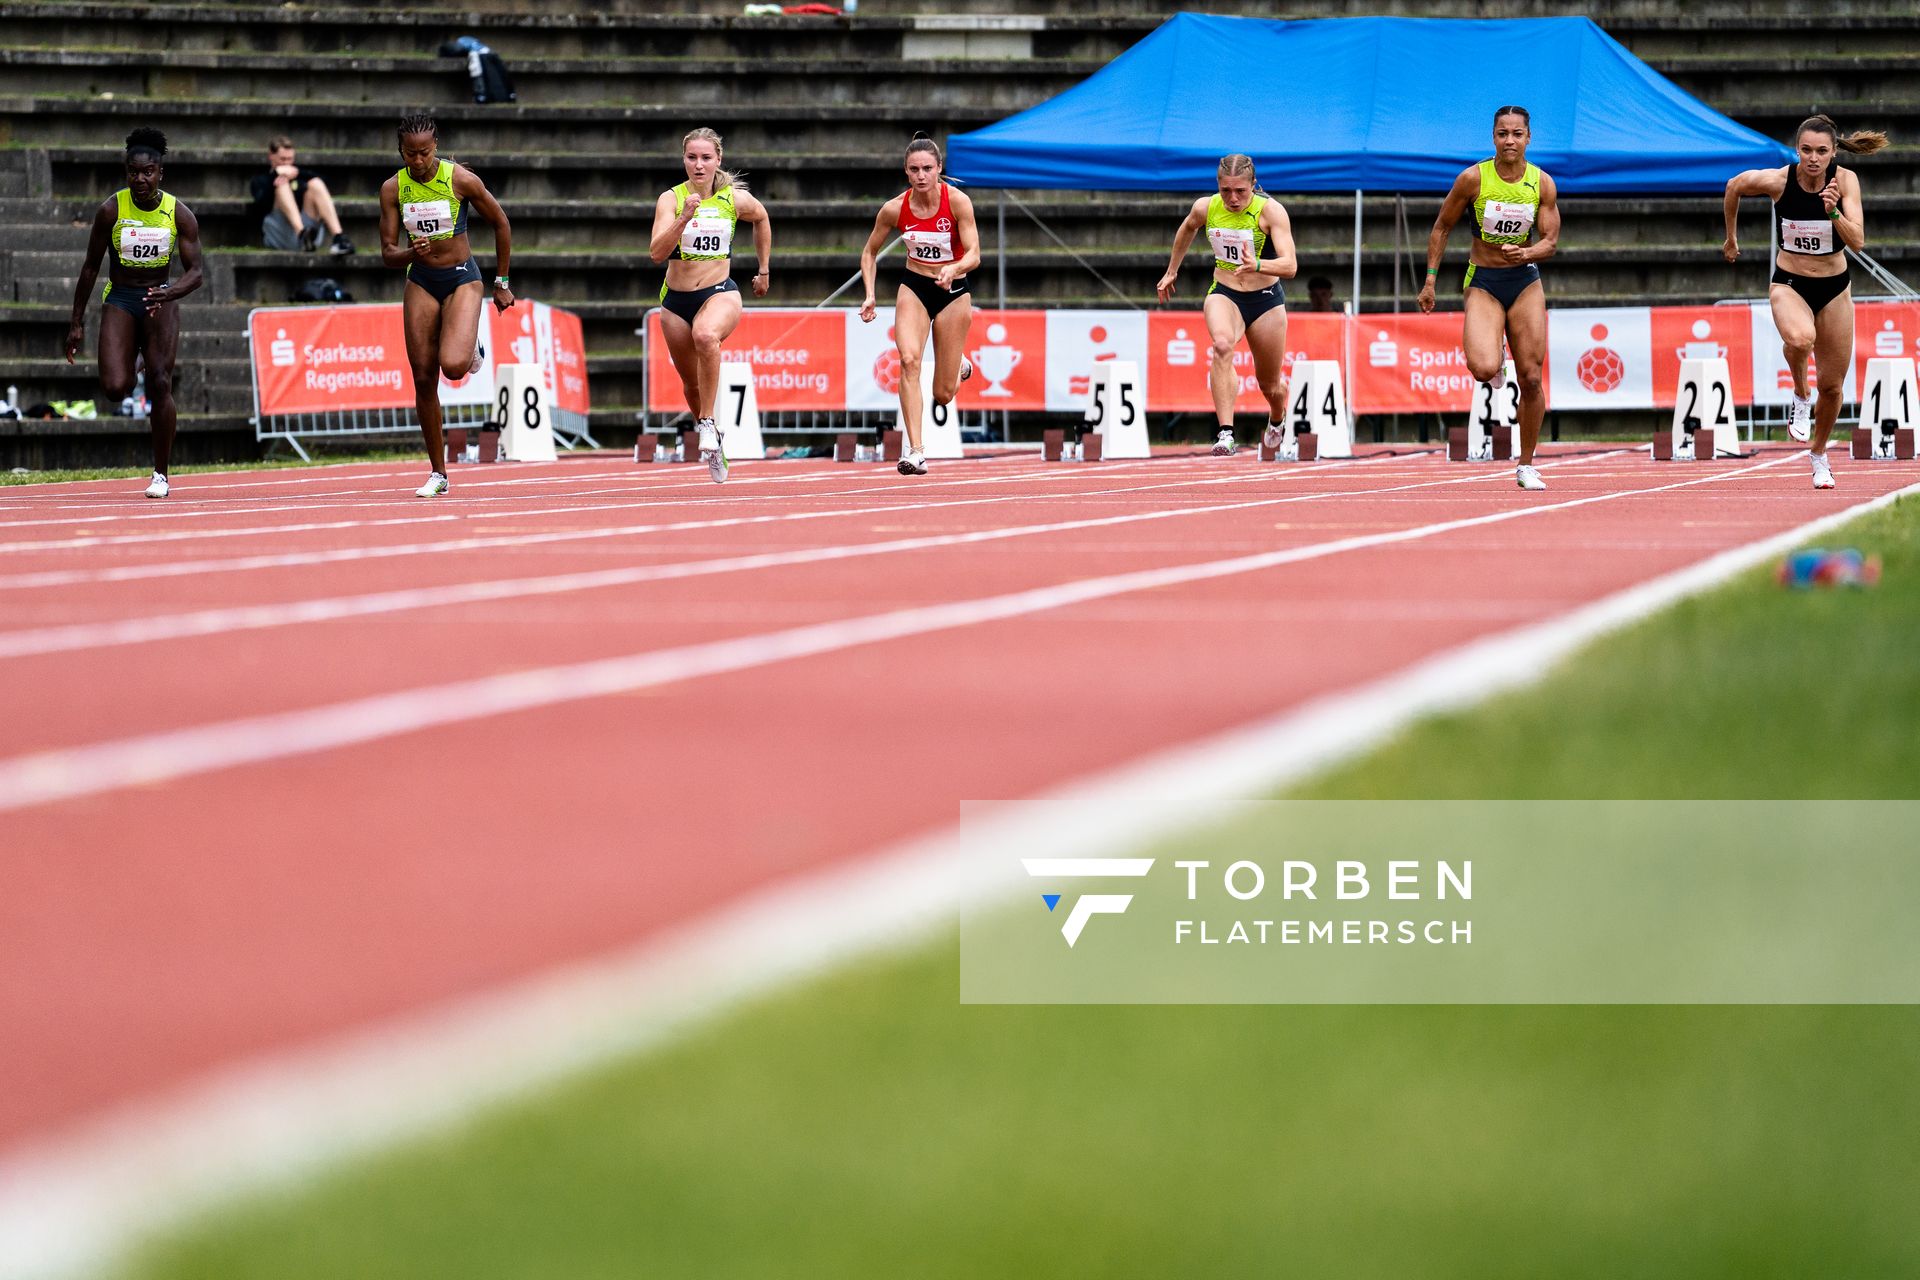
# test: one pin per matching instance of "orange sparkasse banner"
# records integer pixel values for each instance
(315, 359)
(569, 362)
(1405, 362)
(799, 359)
(1179, 355)
(1882, 330)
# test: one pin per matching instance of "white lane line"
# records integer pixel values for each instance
(73, 1203)
(67, 773)
(41, 579)
(459, 511)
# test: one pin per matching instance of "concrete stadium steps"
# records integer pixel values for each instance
(430, 82)
(536, 32)
(651, 129)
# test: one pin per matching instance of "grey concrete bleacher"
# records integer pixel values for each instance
(816, 110)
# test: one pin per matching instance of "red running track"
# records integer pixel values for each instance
(288, 890)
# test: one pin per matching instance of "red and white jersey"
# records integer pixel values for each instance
(929, 240)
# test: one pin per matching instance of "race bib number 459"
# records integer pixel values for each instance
(1806, 237)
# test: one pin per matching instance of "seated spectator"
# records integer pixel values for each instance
(1320, 294)
(293, 204)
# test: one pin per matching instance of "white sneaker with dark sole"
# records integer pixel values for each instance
(1822, 473)
(436, 486)
(157, 487)
(1800, 420)
(1223, 444)
(1274, 436)
(710, 451)
(966, 368)
(1528, 477)
(914, 464)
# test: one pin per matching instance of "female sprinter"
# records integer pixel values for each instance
(936, 222)
(143, 226)
(428, 198)
(693, 223)
(1512, 202)
(1812, 296)
(1245, 297)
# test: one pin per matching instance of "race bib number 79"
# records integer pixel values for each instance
(1230, 244)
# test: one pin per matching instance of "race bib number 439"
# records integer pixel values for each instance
(1806, 237)
(705, 235)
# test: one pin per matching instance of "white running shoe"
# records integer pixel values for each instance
(1223, 444)
(1800, 420)
(157, 488)
(966, 368)
(1528, 477)
(435, 486)
(710, 451)
(1274, 436)
(1499, 380)
(914, 464)
(1822, 473)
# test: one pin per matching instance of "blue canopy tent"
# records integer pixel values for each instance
(1364, 104)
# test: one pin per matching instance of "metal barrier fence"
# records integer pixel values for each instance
(569, 428)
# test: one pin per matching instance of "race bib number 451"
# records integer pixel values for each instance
(1806, 237)
(428, 219)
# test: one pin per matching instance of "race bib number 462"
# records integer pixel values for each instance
(1503, 219)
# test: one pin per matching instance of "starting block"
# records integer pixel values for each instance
(689, 450)
(891, 445)
(1053, 445)
(489, 445)
(456, 442)
(939, 423)
(523, 420)
(1703, 427)
(1304, 447)
(738, 413)
(1092, 447)
(1318, 407)
(645, 447)
(1117, 413)
(1889, 402)
(846, 446)
(1492, 433)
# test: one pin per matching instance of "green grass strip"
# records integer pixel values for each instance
(868, 1125)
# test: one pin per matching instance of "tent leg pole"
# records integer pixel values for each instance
(1000, 262)
(1356, 249)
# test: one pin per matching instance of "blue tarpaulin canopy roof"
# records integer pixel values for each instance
(1371, 104)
